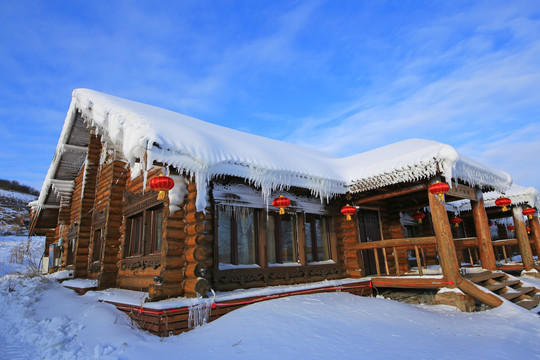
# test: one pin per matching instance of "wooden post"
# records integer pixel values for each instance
(385, 261)
(522, 238)
(505, 255)
(445, 242)
(396, 261)
(535, 234)
(418, 261)
(377, 262)
(487, 257)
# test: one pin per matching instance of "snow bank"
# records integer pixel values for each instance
(43, 320)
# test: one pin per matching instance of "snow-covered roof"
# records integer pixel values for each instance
(205, 151)
(518, 194)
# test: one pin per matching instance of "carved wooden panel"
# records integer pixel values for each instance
(135, 203)
(243, 277)
(141, 262)
(99, 218)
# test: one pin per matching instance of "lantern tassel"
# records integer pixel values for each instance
(349, 218)
(281, 211)
(419, 221)
(504, 208)
(161, 195)
(441, 197)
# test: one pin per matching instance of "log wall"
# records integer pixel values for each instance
(140, 276)
(87, 205)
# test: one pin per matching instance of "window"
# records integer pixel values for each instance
(157, 230)
(317, 239)
(237, 240)
(281, 236)
(144, 232)
(98, 244)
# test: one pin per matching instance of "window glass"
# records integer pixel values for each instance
(271, 239)
(136, 234)
(245, 237)
(288, 238)
(224, 236)
(281, 238)
(157, 231)
(317, 239)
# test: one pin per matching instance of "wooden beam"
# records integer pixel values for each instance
(487, 257)
(522, 238)
(535, 234)
(391, 194)
(445, 242)
(427, 240)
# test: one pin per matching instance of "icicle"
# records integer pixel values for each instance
(199, 314)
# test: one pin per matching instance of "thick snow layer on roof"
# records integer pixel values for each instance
(518, 194)
(415, 159)
(147, 133)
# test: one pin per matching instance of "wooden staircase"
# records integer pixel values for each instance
(507, 287)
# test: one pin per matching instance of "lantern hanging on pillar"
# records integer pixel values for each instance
(162, 184)
(503, 202)
(511, 227)
(348, 210)
(490, 223)
(281, 202)
(439, 188)
(418, 216)
(529, 212)
(528, 230)
(456, 221)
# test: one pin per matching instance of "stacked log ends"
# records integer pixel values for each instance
(199, 249)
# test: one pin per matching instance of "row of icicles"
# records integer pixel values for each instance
(163, 184)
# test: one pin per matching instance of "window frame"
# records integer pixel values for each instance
(324, 221)
(278, 241)
(146, 224)
(234, 256)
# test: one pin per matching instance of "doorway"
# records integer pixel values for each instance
(369, 230)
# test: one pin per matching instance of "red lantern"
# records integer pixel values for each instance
(419, 216)
(162, 184)
(490, 223)
(528, 230)
(281, 202)
(456, 221)
(439, 188)
(503, 202)
(511, 227)
(529, 212)
(348, 210)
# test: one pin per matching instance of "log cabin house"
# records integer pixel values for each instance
(217, 228)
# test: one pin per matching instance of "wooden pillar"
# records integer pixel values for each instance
(535, 234)
(522, 238)
(445, 242)
(487, 256)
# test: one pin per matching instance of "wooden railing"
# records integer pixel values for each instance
(418, 244)
(503, 245)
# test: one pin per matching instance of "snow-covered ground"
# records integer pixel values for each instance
(41, 319)
(18, 254)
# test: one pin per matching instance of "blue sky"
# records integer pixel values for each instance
(340, 76)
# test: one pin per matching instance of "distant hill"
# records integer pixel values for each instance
(14, 212)
(14, 185)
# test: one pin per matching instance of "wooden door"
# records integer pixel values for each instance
(368, 224)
